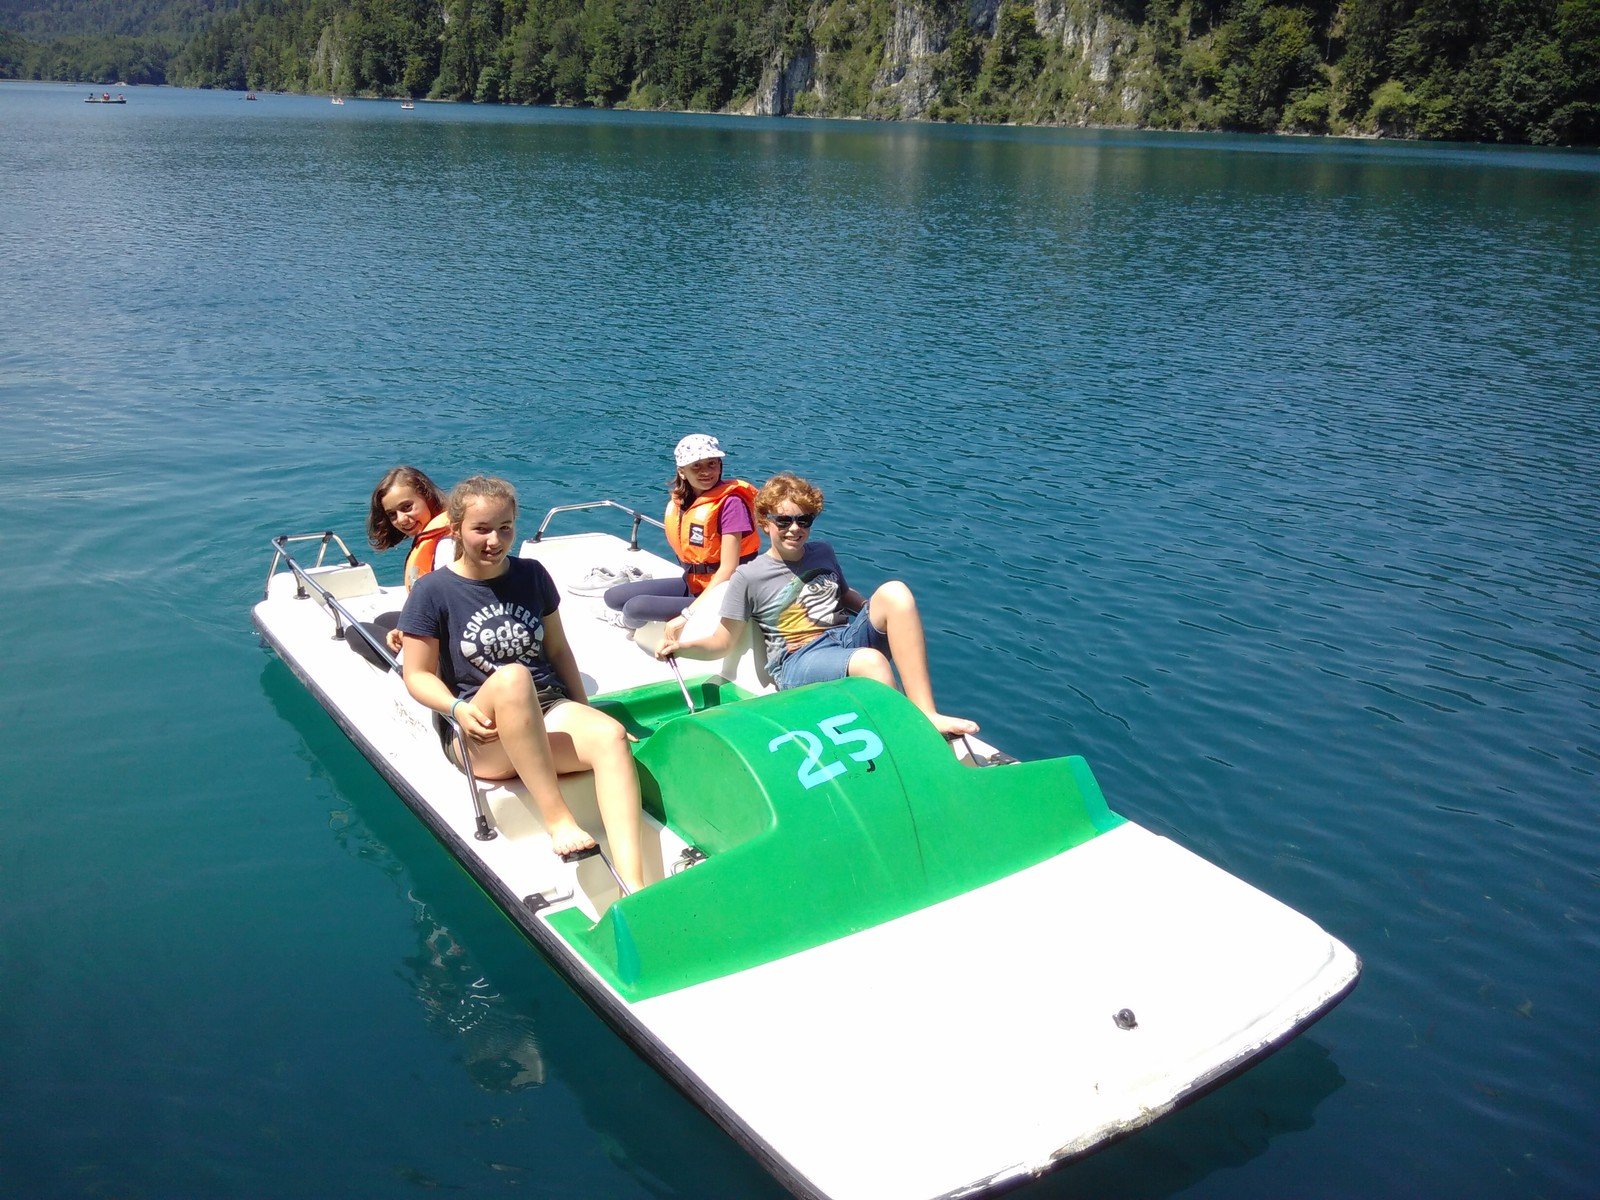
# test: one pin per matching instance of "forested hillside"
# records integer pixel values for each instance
(1490, 70)
(101, 40)
(46, 19)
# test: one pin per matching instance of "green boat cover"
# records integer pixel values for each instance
(823, 811)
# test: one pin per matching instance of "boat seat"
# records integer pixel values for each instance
(379, 628)
(345, 582)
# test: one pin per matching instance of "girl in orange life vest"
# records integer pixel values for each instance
(407, 504)
(711, 526)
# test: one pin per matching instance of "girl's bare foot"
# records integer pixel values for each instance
(567, 839)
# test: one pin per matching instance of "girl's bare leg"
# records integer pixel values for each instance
(510, 700)
(586, 739)
(893, 612)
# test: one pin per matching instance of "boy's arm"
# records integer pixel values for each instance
(735, 612)
(713, 645)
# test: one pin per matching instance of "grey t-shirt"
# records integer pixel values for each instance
(791, 603)
(483, 624)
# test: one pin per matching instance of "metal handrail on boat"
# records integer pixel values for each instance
(633, 536)
(280, 552)
(344, 621)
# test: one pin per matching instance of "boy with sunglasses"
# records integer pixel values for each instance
(816, 627)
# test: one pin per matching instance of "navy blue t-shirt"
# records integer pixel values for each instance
(482, 624)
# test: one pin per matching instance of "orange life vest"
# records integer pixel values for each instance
(697, 541)
(423, 547)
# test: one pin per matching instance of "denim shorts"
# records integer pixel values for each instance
(828, 657)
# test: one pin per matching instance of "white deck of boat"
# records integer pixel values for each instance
(985, 1024)
(606, 653)
(978, 1036)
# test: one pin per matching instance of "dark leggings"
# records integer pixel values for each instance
(647, 600)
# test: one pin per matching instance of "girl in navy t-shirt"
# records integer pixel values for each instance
(484, 644)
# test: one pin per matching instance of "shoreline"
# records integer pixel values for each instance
(909, 122)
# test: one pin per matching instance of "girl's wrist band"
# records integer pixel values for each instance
(453, 708)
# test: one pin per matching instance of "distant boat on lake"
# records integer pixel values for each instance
(105, 98)
(407, 104)
(251, 96)
(338, 99)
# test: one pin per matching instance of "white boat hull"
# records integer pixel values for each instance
(950, 1051)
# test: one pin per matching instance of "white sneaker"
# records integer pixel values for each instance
(601, 579)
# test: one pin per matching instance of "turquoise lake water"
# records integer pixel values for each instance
(1265, 473)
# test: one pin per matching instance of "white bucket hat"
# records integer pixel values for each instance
(695, 447)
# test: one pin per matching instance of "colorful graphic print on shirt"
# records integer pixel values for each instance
(502, 633)
(804, 609)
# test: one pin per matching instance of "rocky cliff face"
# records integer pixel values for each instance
(326, 61)
(983, 16)
(1104, 48)
(1093, 60)
(906, 86)
(783, 80)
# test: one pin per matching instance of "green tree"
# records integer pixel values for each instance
(569, 68)
(1269, 53)
(1014, 57)
(528, 81)
(1577, 118)
(957, 69)
(606, 80)
(1394, 110)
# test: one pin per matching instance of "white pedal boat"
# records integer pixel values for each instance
(869, 906)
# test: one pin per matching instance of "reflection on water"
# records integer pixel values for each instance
(484, 987)
(501, 1051)
(502, 1054)
(498, 1039)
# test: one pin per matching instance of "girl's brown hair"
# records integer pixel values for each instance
(477, 487)
(786, 487)
(380, 530)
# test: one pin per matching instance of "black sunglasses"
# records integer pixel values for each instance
(784, 520)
